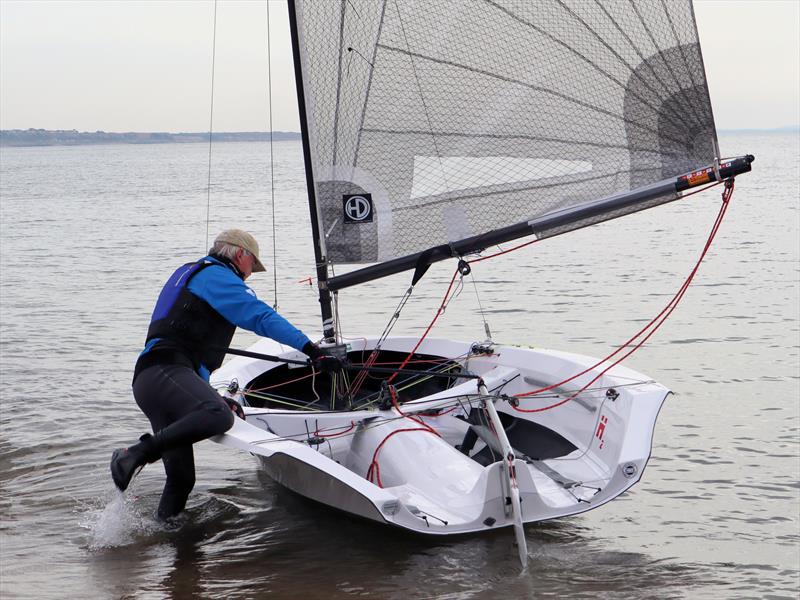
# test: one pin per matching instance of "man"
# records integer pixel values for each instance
(194, 320)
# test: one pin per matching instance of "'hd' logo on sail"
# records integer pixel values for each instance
(357, 208)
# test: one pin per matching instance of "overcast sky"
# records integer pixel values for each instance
(146, 66)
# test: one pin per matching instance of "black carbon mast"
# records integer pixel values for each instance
(319, 251)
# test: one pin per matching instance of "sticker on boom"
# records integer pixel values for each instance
(699, 177)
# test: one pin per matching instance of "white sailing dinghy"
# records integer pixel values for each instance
(436, 130)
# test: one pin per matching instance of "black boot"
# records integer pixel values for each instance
(127, 462)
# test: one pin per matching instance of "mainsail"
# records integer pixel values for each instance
(432, 122)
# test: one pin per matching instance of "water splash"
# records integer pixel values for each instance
(117, 523)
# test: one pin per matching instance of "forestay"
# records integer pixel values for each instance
(437, 120)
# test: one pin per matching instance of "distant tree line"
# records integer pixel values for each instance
(73, 137)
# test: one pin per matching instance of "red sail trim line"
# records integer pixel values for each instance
(345, 430)
(653, 325)
(374, 472)
(430, 326)
(726, 195)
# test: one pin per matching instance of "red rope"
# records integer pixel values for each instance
(435, 361)
(393, 396)
(319, 433)
(655, 323)
(439, 413)
(430, 326)
(452, 280)
(374, 468)
(476, 260)
(362, 374)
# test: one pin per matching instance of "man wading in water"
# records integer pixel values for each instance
(195, 318)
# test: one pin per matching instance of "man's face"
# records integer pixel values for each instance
(245, 262)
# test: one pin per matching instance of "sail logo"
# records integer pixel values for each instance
(357, 208)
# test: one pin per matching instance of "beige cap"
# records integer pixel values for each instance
(242, 239)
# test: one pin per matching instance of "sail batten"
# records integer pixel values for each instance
(429, 119)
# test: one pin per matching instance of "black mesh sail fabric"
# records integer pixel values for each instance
(433, 121)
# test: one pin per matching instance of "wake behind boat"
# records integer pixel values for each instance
(439, 130)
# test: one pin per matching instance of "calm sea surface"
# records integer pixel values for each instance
(90, 233)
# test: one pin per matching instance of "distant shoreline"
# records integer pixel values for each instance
(73, 137)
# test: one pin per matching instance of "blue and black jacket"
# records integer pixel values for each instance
(197, 313)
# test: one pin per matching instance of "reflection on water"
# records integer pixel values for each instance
(306, 549)
(714, 516)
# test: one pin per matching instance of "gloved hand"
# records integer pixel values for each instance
(235, 407)
(321, 359)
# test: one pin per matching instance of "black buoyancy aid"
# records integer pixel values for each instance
(186, 323)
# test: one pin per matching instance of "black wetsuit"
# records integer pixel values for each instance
(183, 409)
(197, 313)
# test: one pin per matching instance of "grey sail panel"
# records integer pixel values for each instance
(435, 121)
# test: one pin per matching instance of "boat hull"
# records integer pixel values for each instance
(433, 465)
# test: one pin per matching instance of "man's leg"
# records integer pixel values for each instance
(183, 409)
(191, 410)
(179, 466)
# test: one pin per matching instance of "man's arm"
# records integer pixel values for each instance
(238, 303)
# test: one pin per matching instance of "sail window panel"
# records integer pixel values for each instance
(398, 169)
(435, 175)
(407, 178)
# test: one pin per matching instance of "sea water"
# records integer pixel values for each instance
(89, 234)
